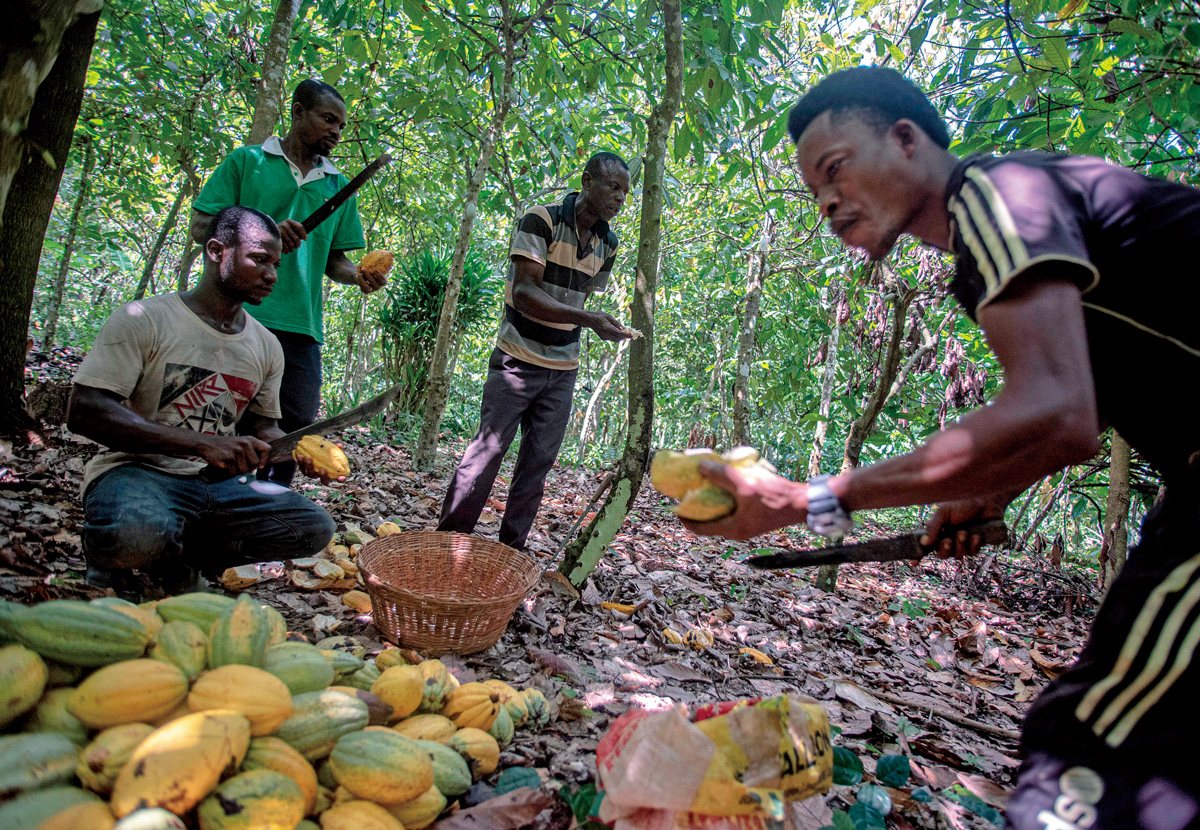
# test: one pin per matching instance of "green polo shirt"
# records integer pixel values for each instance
(261, 177)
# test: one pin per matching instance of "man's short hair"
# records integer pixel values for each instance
(881, 95)
(596, 164)
(309, 92)
(228, 225)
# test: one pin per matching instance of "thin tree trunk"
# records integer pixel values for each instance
(597, 392)
(31, 41)
(584, 553)
(1045, 511)
(1113, 549)
(31, 166)
(827, 380)
(864, 424)
(437, 386)
(64, 265)
(353, 337)
(269, 102)
(185, 266)
(161, 241)
(748, 341)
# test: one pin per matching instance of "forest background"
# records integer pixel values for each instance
(765, 329)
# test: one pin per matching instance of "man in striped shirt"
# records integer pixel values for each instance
(560, 254)
(1078, 272)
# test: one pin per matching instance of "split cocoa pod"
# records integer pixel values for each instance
(677, 474)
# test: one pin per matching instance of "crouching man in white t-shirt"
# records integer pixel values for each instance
(176, 382)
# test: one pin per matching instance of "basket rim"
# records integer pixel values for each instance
(373, 580)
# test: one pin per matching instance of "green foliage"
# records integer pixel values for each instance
(409, 319)
(893, 770)
(171, 88)
(847, 767)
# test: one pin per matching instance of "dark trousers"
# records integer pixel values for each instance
(516, 394)
(299, 395)
(1111, 741)
(173, 526)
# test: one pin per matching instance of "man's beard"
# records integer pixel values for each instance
(226, 289)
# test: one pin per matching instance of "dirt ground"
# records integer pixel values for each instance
(937, 663)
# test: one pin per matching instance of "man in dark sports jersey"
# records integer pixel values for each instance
(1079, 273)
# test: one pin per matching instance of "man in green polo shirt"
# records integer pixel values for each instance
(288, 179)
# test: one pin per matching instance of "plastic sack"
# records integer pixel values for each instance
(731, 765)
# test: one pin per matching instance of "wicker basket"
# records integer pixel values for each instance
(444, 592)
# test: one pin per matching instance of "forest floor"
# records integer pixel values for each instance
(937, 663)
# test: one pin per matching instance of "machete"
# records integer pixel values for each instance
(281, 447)
(337, 199)
(889, 549)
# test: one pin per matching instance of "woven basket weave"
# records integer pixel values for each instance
(444, 592)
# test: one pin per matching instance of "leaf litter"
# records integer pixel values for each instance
(921, 662)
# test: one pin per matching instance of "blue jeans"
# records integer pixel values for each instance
(137, 517)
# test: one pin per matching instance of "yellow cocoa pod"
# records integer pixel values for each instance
(131, 691)
(421, 811)
(427, 727)
(274, 754)
(389, 658)
(704, 504)
(359, 815)
(93, 815)
(182, 762)
(472, 704)
(401, 688)
(510, 699)
(478, 749)
(675, 473)
(388, 529)
(259, 695)
(175, 714)
(328, 458)
(101, 761)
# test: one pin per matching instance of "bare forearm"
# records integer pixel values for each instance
(340, 269)
(533, 301)
(198, 227)
(994, 452)
(121, 429)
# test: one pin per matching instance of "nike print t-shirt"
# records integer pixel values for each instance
(174, 369)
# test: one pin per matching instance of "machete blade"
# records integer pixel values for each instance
(888, 549)
(282, 446)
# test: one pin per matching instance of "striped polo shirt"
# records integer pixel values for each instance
(546, 234)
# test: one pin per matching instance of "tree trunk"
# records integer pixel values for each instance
(437, 386)
(64, 265)
(185, 266)
(827, 380)
(31, 41)
(1116, 512)
(353, 338)
(31, 167)
(597, 393)
(747, 341)
(826, 574)
(1045, 511)
(889, 368)
(269, 102)
(161, 241)
(584, 553)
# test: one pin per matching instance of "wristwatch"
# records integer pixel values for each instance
(826, 516)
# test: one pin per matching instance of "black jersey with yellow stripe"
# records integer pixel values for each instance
(1130, 243)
